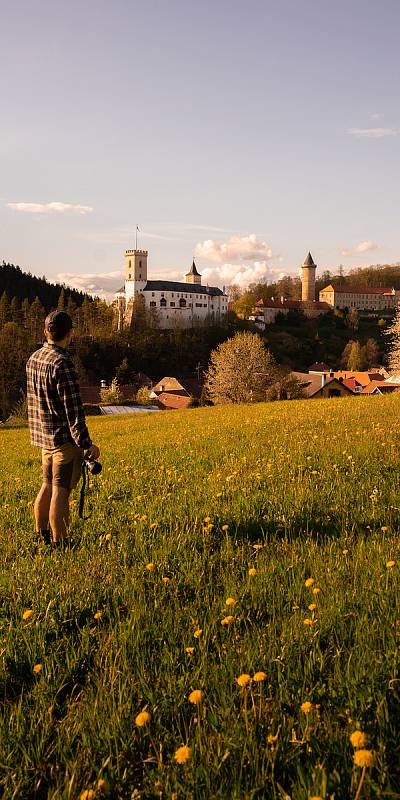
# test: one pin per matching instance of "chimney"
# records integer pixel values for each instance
(323, 380)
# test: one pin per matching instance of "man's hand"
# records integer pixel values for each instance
(93, 453)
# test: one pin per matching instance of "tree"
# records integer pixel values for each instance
(4, 309)
(244, 306)
(371, 353)
(14, 351)
(393, 331)
(287, 388)
(61, 300)
(353, 319)
(113, 394)
(143, 396)
(240, 370)
(123, 373)
(355, 361)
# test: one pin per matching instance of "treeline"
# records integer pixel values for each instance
(25, 286)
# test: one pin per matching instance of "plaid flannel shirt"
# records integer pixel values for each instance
(55, 410)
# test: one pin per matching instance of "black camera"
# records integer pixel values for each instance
(94, 467)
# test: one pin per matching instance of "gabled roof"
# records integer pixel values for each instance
(372, 388)
(167, 400)
(189, 387)
(312, 383)
(177, 286)
(309, 261)
(193, 270)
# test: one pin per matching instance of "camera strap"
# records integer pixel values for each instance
(85, 478)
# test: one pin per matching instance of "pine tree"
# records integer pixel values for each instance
(61, 300)
(15, 311)
(394, 347)
(4, 309)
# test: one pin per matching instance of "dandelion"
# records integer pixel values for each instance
(108, 537)
(306, 707)
(198, 633)
(195, 697)
(183, 754)
(189, 650)
(165, 580)
(363, 758)
(150, 566)
(225, 527)
(384, 529)
(230, 601)
(316, 797)
(312, 606)
(259, 677)
(252, 572)
(207, 519)
(345, 551)
(98, 615)
(37, 668)
(316, 590)
(390, 564)
(27, 614)
(142, 719)
(309, 582)
(272, 739)
(358, 739)
(257, 546)
(309, 622)
(87, 794)
(243, 680)
(227, 620)
(103, 786)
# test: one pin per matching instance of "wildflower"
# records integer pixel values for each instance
(243, 680)
(183, 754)
(98, 615)
(87, 794)
(316, 797)
(316, 590)
(252, 572)
(272, 739)
(27, 614)
(230, 601)
(143, 718)
(195, 697)
(306, 707)
(345, 551)
(227, 620)
(37, 668)
(358, 739)
(165, 580)
(384, 528)
(225, 527)
(108, 537)
(259, 677)
(189, 650)
(257, 546)
(207, 519)
(308, 622)
(198, 633)
(390, 564)
(312, 606)
(103, 786)
(150, 566)
(363, 758)
(309, 582)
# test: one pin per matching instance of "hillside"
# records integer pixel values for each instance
(257, 541)
(25, 286)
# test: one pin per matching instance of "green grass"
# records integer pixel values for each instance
(317, 485)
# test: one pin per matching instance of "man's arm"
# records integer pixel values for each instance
(69, 393)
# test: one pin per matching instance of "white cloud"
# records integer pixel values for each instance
(101, 284)
(240, 274)
(50, 208)
(373, 133)
(237, 248)
(361, 247)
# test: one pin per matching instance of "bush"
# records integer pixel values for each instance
(111, 395)
(143, 396)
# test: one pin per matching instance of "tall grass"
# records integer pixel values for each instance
(193, 508)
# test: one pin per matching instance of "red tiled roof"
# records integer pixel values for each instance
(358, 289)
(168, 400)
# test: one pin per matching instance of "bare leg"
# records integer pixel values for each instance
(59, 512)
(42, 507)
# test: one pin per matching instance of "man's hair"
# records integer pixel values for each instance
(57, 325)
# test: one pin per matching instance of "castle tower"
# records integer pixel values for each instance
(135, 272)
(193, 276)
(308, 280)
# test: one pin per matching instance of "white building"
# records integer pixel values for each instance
(362, 298)
(174, 303)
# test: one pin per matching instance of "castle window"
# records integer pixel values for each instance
(182, 303)
(153, 303)
(172, 294)
(129, 264)
(163, 302)
(172, 304)
(152, 294)
(140, 264)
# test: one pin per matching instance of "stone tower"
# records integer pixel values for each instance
(308, 280)
(193, 276)
(135, 272)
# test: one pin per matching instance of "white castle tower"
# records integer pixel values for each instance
(135, 273)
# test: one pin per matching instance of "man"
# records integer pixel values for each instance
(57, 425)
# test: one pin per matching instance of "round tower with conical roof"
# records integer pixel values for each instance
(308, 280)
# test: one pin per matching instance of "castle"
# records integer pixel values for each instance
(170, 303)
(266, 311)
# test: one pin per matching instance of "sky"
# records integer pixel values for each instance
(243, 134)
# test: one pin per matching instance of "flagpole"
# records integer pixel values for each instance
(136, 238)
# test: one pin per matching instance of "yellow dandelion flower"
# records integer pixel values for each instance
(230, 601)
(259, 677)
(316, 590)
(195, 697)
(207, 519)
(27, 614)
(312, 606)
(227, 620)
(38, 668)
(98, 615)
(363, 758)
(165, 580)
(189, 650)
(87, 794)
(108, 537)
(183, 754)
(198, 633)
(308, 622)
(390, 564)
(150, 566)
(358, 739)
(309, 582)
(316, 797)
(257, 546)
(272, 739)
(225, 527)
(243, 680)
(252, 572)
(102, 786)
(143, 718)
(344, 552)
(306, 707)
(384, 528)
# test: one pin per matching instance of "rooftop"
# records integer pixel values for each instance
(177, 286)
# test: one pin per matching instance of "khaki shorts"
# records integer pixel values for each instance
(62, 466)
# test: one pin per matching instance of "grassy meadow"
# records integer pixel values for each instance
(256, 542)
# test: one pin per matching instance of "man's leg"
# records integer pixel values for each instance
(59, 512)
(42, 507)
